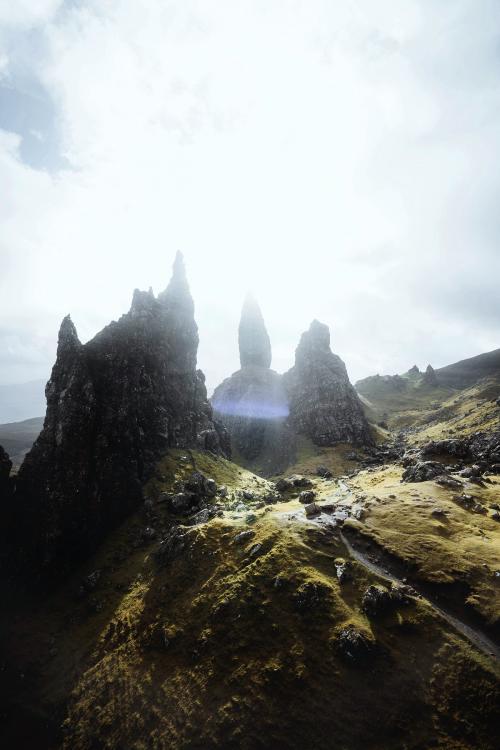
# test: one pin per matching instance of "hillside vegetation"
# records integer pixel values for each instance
(261, 640)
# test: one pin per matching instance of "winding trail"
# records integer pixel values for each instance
(476, 637)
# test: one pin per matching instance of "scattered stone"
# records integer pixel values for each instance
(446, 481)
(255, 550)
(343, 568)
(195, 483)
(438, 512)
(148, 533)
(495, 515)
(299, 481)
(183, 502)
(243, 536)
(423, 471)
(203, 516)
(353, 645)
(322, 471)
(377, 600)
(353, 456)
(307, 496)
(250, 518)
(310, 595)
(210, 487)
(171, 546)
(271, 498)
(312, 509)
(284, 485)
(452, 447)
(247, 495)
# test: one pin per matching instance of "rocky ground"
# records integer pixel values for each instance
(346, 602)
(352, 602)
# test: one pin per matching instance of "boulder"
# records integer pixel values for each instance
(353, 645)
(307, 496)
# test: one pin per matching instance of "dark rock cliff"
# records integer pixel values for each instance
(252, 403)
(5, 467)
(114, 406)
(323, 403)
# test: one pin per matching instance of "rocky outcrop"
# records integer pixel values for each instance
(429, 378)
(114, 406)
(252, 403)
(323, 404)
(253, 339)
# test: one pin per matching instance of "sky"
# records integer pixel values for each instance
(341, 160)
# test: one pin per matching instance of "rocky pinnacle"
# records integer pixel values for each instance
(253, 339)
(323, 403)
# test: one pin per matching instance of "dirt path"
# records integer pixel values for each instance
(476, 637)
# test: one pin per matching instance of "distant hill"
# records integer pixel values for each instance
(21, 401)
(468, 371)
(384, 395)
(18, 437)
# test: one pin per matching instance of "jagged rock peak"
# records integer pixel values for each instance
(253, 339)
(177, 294)
(316, 339)
(414, 370)
(115, 405)
(430, 377)
(142, 302)
(323, 404)
(68, 337)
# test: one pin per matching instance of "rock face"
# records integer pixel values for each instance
(252, 403)
(429, 377)
(323, 403)
(114, 406)
(253, 339)
(5, 467)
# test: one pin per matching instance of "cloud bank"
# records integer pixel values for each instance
(341, 160)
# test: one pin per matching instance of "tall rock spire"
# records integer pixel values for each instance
(253, 339)
(323, 404)
(178, 304)
(177, 294)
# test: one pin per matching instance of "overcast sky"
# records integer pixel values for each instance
(340, 159)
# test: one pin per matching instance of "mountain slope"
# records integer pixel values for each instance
(468, 371)
(18, 437)
(231, 642)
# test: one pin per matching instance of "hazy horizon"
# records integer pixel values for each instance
(341, 162)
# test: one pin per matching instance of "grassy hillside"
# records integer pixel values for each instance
(240, 643)
(401, 399)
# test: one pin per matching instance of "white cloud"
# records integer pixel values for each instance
(27, 13)
(333, 157)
